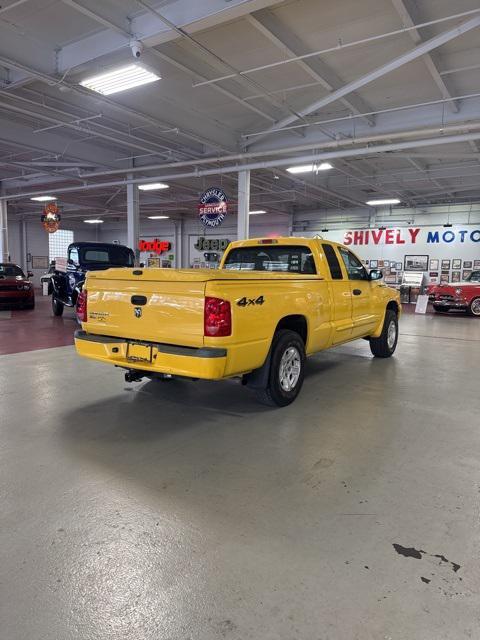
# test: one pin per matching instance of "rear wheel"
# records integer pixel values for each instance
(384, 346)
(57, 306)
(287, 370)
(438, 309)
(474, 307)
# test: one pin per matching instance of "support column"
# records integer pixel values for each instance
(178, 243)
(23, 245)
(133, 217)
(243, 219)
(4, 254)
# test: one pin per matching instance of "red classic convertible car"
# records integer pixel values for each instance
(15, 288)
(459, 295)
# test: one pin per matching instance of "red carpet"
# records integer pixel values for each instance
(37, 329)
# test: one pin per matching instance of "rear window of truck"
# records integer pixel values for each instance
(115, 256)
(283, 258)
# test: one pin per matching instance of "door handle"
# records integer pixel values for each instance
(138, 300)
(357, 292)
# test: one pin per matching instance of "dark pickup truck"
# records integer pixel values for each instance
(69, 275)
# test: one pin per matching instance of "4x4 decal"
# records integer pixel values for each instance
(246, 302)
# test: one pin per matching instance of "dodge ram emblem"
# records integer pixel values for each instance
(138, 312)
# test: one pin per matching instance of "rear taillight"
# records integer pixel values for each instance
(217, 317)
(82, 306)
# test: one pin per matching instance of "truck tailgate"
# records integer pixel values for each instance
(156, 305)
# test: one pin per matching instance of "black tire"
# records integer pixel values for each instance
(383, 346)
(57, 306)
(438, 309)
(474, 308)
(275, 394)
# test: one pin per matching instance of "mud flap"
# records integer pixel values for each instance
(258, 378)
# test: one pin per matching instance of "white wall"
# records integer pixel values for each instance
(37, 241)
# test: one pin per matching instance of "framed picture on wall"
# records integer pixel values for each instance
(457, 263)
(456, 276)
(433, 274)
(467, 264)
(466, 273)
(445, 265)
(434, 264)
(476, 264)
(373, 264)
(416, 263)
(386, 263)
(381, 263)
(445, 277)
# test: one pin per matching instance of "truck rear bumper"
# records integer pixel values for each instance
(207, 363)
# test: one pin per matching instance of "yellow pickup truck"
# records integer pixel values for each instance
(271, 303)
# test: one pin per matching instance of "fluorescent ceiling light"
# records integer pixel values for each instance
(308, 168)
(94, 221)
(378, 203)
(152, 186)
(43, 198)
(120, 80)
(257, 212)
(158, 217)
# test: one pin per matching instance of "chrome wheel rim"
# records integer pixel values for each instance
(391, 334)
(476, 307)
(290, 367)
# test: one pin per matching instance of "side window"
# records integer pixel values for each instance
(333, 263)
(74, 255)
(355, 269)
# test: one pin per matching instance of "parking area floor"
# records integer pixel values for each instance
(28, 330)
(187, 511)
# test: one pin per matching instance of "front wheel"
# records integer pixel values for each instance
(287, 370)
(384, 346)
(57, 306)
(474, 307)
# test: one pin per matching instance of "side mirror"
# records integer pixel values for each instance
(29, 274)
(375, 274)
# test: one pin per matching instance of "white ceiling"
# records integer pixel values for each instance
(48, 46)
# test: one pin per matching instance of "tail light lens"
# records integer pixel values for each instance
(217, 317)
(82, 306)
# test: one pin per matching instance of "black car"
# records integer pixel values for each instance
(69, 275)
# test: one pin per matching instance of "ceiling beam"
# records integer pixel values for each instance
(406, 10)
(268, 24)
(379, 72)
(17, 3)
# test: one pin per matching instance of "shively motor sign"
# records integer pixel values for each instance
(394, 243)
(411, 235)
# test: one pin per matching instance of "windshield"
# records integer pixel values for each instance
(288, 259)
(114, 256)
(473, 277)
(10, 271)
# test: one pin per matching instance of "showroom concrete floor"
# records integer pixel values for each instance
(187, 511)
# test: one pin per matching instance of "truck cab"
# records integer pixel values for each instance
(70, 272)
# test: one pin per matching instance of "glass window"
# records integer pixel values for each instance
(10, 271)
(355, 269)
(58, 243)
(74, 255)
(333, 263)
(283, 258)
(111, 255)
